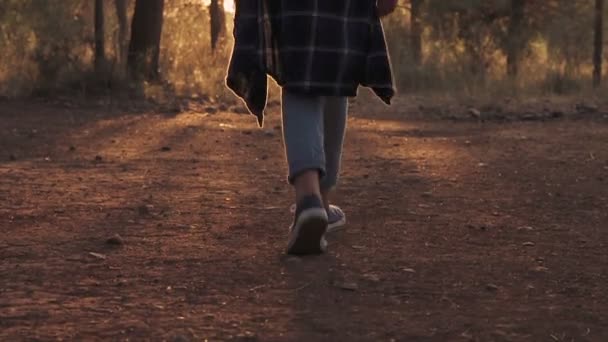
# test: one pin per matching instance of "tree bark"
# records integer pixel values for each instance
(144, 47)
(598, 43)
(416, 32)
(100, 55)
(515, 39)
(121, 14)
(217, 18)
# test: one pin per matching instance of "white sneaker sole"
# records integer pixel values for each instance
(331, 227)
(306, 236)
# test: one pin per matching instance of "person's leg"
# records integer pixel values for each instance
(335, 115)
(303, 137)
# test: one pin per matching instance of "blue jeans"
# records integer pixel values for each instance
(313, 132)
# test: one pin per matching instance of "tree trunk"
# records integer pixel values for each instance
(121, 14)
(515, 39)
(416, 32)
(100, 56)
(598, 43)
(217, 20)
(144, 47)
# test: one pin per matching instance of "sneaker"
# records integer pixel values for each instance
(309, 226)
(335, 217)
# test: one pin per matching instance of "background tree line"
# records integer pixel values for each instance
(551, 46)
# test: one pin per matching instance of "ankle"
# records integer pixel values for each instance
(307, 184)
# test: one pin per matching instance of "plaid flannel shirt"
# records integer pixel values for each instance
(315, 47)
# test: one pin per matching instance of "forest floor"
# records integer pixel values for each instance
(131, 225)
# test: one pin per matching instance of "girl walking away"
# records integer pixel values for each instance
(319, 52)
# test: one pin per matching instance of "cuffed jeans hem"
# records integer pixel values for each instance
(328, 184)
(299, 168)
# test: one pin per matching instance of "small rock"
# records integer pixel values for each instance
(223, 107)
(528, 244)
(586, 108)
(348, 286)
(165, 149)
(525, 228)
(180, 338)
(474, 112)
(408, 270)
(98, 158)
(264, 157)
(143, 210)
(491, 287)
(371, 277)
(246, 337)
(72, 149)
(115, 240)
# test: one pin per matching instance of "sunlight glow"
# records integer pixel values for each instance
(228, 4)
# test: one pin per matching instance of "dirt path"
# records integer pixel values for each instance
(457, 231)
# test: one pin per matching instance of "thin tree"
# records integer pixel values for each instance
(217, 20)
(515, 37)
(144, 47)
(121, 14)
(100, 55)
(416, 31)
(598, 43)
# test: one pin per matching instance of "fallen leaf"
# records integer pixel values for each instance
(540, 269)
(98, 255)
